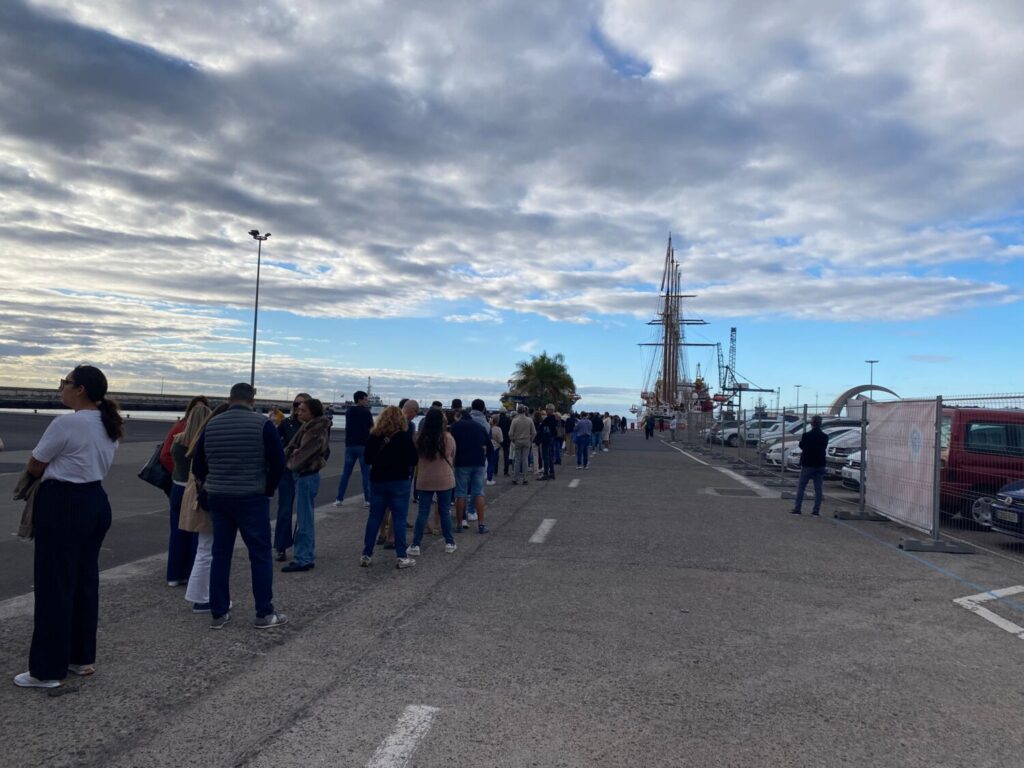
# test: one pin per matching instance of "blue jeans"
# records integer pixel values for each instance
(595, 440)
(444, 505)
(306, 489)
(354, 453)
(558, 449)
(492, 462)
(249, 515)
(583, 450)
(181, 545)
(548, 449)
(283, 538)
(817, 474)
(393, 494)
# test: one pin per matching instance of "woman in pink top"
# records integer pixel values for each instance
(434, 475)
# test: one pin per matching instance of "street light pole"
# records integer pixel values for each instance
(871, 363)
(256, 310)
(798, 394)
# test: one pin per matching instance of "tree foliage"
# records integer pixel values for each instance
(543, 379)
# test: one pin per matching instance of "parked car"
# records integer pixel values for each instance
(712, 433)
(751, 430)
(793, 452)
(839, 451)
(851, 471)
(1008, 510)
(982, 451)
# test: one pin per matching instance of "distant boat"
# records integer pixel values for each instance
(376, 404)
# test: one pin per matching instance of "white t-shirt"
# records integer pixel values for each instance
(76, 447)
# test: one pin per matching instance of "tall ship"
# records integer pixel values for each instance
(667, 383)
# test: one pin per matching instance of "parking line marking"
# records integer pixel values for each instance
(542, 530)
(574, 483)
(973, 604)
(396, 750)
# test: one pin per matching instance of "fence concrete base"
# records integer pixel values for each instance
(866, 516)
(935, 545)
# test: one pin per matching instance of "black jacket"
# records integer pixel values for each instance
(812, 448)
(391, 458)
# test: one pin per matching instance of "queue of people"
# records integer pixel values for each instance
(227, 463)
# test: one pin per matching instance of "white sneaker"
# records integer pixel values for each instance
(465, 524)
(492, 482)
(364, 561)
(338, 502)
(25, 680)
(604, 450)
(405, 562)
(472, 517)
(366, 504)
(449, 548)
(413, 551)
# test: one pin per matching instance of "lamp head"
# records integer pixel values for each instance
(254, 232)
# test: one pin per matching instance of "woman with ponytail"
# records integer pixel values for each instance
(181, 545)
(72, 515)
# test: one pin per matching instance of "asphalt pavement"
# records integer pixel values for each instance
(653, 610)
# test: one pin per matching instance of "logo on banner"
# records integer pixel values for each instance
(916, 441)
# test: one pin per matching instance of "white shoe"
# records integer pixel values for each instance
(405, 562)
(364, 561)
(492, 482)
(338, 502)
(472, 517)
(366, 504)
(413, 551)
(604, 450)
(465, 524)
(449, 548)
(25, 680)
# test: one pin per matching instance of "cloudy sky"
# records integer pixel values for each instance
(454, 186)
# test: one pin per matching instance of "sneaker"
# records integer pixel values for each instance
(515, 482)
(294, 567)
(366, 504)
(172, 583)
(815, 514)
(414, 550)
(200, 607)
(218, 622)
(338, 502)
(465, 524)
(449, 548)
(579, 466)
(472, 517)
(604, 450)
(270, 620)
(83, 670)
(492, 482)
(281, 556)
(25, 680)
(364, 561)
(794, 511)
(483, 529)
(405, 562)
(526, 482)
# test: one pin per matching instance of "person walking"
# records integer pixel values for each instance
(521, 433)
(391, 455)
(435, 478)
(505, 423)
(71, 517)
(283, 535)
(673, 423)
(305, 455)
(813, 445)
(182, 545)
(358, 423)
(239, 461)
(471, 443)
(649, 426)
(606, 432)
(548, 435)
(582, 437)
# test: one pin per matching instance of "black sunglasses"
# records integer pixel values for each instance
(66, 383)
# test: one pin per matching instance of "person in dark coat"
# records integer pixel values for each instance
(812, 465)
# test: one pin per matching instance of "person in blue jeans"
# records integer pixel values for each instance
(239, 461)
(358, 423)
(813, 445)
(286, 430)
(306, 455)
(582, 435)
(434, 478)
(392, 457)
(471, 443)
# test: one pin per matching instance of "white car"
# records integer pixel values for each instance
(851, 471)
(839, 451)
(773, 455)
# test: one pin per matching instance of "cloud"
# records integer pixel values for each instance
(935, 359)
(528, 347)
(816, 161)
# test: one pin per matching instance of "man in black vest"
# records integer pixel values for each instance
(812, 465)
(239, 461)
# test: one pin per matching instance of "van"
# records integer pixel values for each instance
(982, 450)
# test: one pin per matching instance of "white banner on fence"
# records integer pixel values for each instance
(901, 462)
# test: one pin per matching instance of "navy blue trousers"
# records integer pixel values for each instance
(70, 521)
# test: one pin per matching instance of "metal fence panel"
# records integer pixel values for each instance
(901, 455)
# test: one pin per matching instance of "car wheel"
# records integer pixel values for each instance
(733, 441)
(981, 511)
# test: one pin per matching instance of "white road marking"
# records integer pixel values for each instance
(23, 605)
(759, 489)
(542, 530)
(396, 750)
(574, 483)
(973, 604)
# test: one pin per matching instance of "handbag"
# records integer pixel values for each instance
(155, 473)
(193, 517)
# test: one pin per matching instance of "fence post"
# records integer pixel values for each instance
(935, 543)
(862, 513)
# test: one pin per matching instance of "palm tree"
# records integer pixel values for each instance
(543, 379)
